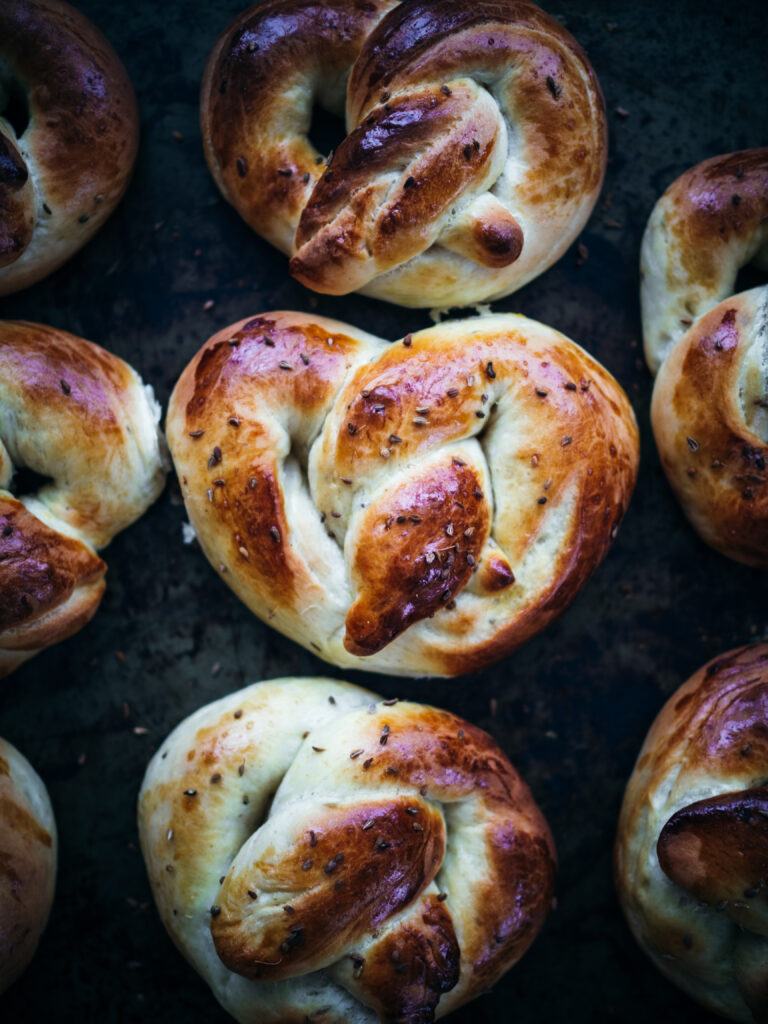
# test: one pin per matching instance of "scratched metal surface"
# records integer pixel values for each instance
(683, 81)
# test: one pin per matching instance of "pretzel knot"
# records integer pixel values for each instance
(692, 845)
(70, 141)
(401, 867)
(475, 151)
(710, 399)
(81, 419)
(421, 508)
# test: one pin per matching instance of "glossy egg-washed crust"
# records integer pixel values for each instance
(371, 860)
(63, 176)
(710, 420)
(79, 416)
(425, 202)
(420, 508)
(708, 224)
(691, 861)
(27, 862)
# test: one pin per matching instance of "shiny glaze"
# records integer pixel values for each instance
(691, 850)
(82, 137)
(354, 865)
(79, 416)
(706, 427)
(403, 208)
(28, 851)
(708, 224)
(348, 490)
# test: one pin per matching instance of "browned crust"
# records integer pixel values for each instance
(27, 870)
(359, 864)
(714, 462)
(403, 572)
(40, 569)
(17, 215)
(83, 133)
(351, 223)
(351, 880)
(584, 444)
(247, 72)
(710, 736)
(713, 204)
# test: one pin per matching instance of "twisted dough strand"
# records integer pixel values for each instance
(422, 507)
(475, 149)
(401, 865)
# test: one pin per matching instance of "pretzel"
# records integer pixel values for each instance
(66, 170)
(28, 853)
(418, 508)
(73, 413)
(710, 222)
(692, 846)
(475, 151)
(711, 393)
(400, 868)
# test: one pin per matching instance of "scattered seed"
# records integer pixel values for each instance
(333, 863)
(196, 433)
(419, 421)
(394, 439)
(242, 166)
(356, 753)
(65, 387)
(215, 458)
(407, 340)
(490, 372)
(284, 365)
(570, 386)
(445, 90)
(385, 453)
(565, 442)
(274, 534)
(542, 501)
(692, 444)
(215, 910)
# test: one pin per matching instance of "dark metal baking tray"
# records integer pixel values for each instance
(683, 80)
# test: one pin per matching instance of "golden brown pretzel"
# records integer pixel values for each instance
(400, 868)
(28, 853)
(418, 508)
(74, 413)
(710, 399)
(692, 845)
(475, 151)
(64, 174)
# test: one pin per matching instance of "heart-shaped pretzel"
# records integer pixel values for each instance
(82, 418)
(475, 151)
(398, 870)
(710, 398)
(66, 169)
(418, 508)
(692, 844)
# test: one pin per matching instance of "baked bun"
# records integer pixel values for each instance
(710, 400)
(28, 861)
(62, 176)
(317, 853)
(419, 508)
(709, 223)
(710, 419)
(692, 846)
(73, 413)
(475, 151)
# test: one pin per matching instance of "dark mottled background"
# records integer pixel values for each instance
(683, 80)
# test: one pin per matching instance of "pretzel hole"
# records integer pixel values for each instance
(14, 106)
(749, 276)
(28, 481)
(326, 131)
